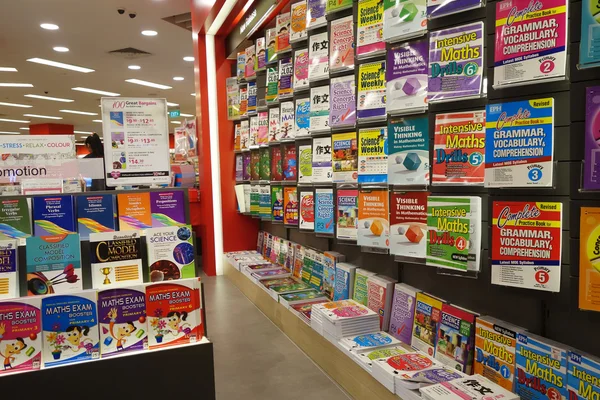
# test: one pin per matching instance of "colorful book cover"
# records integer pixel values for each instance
(301, 296)
(168, 208)
(324, 213)
(373, 218)
(237, 138)
(286, 121)
(122, 319)
(246, 166)
(96, 213)
(298, 262)
(254, 201)
(243, 100)
(519, 149)
(402, 315)
(70, 328)
(290, 205)
(249, 72)
(271, 42)
(301, 62)
(319, 109)
(369, 35)
(282, 43)
(471, 387)
(252, 97)
(379, 299)
(253, 144)
(341, 54)
(20, 335)
(307, 266)
(322, 170)
(233, 98)
(245, 135)
(371, 90)
(345, 158)
(134, 211)
(302, 118)
(241, 66)
(9, 278)
(53, 215)
(174, 313)
(372, 155)
(337, 5)
(455, 340)
(273, 124)
(589, 56)
(265, 164)
(261, 53)
(272, 88)
(264, 202)
(116, 259)
(454, 232)
(276, 164)
(316, 276)
(305, 163)
(307, 210)
(315, 16)
(277, 203)
(541, 368)
(318, 53)
(53, 264)
(286, 73)
(404, 19)
(406, 76)
(343, 99)
(360, 291)
(589, 265)
(344, 281)
(15, 222)
(591, 163)
(408, 219)
(495, 348)
(171, 253)
(459, 148)
(289, 163)
(582, 376)
(428, 313)
(526, 244)
(347, 214)
(440, 8)
(521, 57)
(263, 128)
(298, 22)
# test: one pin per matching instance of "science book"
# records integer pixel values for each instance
(174, 313)
(277, 203)
(298, 22)
(379, 299)
(344, 281)
(276, 164)
(171, 253)
(589, 267)
(134, 211)
(305, 163)
(526, 244)
(322, 170)
(403, 312)
(455, 343)
(301, 63)
(252, 97)
(116, 259)
(347, 214)
(345, 158)
(53, 215)
(591, 163)
(122, 320)
(371, 101)
(406, 77)
(315, 16)
(440, 8)
(341, 54)
(282, 43)
(302, 118)
(373, 218)
(588, 47)
(273, 131)
(408, 219)
(324, 211)
(582, 376)
(167, 208)
(271, 90)
(271, 43)
(369, 29)
(404, 20)
(360, 292)
(459, 148)
(286, 73)
(20, 335)
(9, 277)
(428, 314)
(307, 210)
(290, 205)
(70, 328)
(15, 221)
(96, 213)
(343, 99)
(260, 54)
(319, 109)
(265, 164)
(372, 155)
(318, 53)
(519, 150)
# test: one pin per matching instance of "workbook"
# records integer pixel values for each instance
(116, 259)
(21, 345)
(171, 253)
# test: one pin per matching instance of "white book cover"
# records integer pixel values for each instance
(367, 341)
(379, 298)
(474, 387)
(301, 65)
(9, 277)
(318, 54)
(245, 134)
(116, 259)
(253, 132)
(322, 170)
(344, 281)
(319, 109)
(286, 121)
(171, 253)
(273, 124)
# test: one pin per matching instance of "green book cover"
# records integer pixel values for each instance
(265, 164)
(254, 201)
(307, 266)
(307, 295)
(272, 85)
(361, 293)
(15, 221)
(293, 287)
(336, 5)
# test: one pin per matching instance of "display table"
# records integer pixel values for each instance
(349, 375)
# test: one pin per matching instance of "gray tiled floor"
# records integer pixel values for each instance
(253, 358)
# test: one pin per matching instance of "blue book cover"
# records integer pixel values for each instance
(316, 277)
(70, 328)
(589, 48)
(95, 214)
(541, 368)
(344, 281)
(53, 215)
(324, 215)
(583, 378)
(53, 264)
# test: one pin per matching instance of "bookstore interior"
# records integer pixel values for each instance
(407, 189)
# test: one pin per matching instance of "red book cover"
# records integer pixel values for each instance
(290, 164)
(276, 167)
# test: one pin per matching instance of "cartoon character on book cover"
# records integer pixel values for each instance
(20, 335)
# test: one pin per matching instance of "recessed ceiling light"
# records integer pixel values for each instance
(88, 90)
(61, 49)
(11, 84)
(78, 112)
(10, 133)
(136, 67)
(186, 115)
(149, 33)
(15, 105)
(20, 121)
(176, 122)
(188, 58)
(8, 69)
(178, 78)
(60, 65)
(172, 104)
(83, 132)
(193, 94)
(97, 120)
(150, 84)
(37, 96)
(50, 27)
(24, 129)
(41, 116)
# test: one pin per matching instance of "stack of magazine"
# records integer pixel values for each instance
(339, 319)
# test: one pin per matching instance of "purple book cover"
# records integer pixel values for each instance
(591, 166)
(439, 8)
(403, 312)
(286, 71)
(167, 208)
(343, 101)
(239, 168)
(406, 76)
(316, 13)
(122, 318)
(246, 162)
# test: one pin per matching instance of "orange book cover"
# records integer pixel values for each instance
(134, 211)
(589, 259)
(373, 218)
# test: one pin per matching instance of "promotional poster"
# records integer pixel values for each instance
(301, 64)
(345, 161)
(298, 22)
(408, 161)
(369, 37)
(589, 257)
(371, 91)
(406, 76)
(341, 55)
(318, 51)
(404, 20)
(322, 170)
(170, 253)
(290, 205)
(373, 218)
(307, 210)
(15, 222)
(372, 155)
(324, 211)
(305, 163)
(343, 102)
(116, 259)
(347, 214)
(302, 118)
(319, 109)
(408, 219)
(591, 163)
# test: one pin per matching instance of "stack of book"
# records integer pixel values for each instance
(339, 319)
(474, 387)
(275, 287)
(304, 310)
(365, 358)
(367, 341)
(263, 274)
(289, 299)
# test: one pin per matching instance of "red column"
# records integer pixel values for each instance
(50, 129)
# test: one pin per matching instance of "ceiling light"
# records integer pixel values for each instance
(24, 129)
(8, 69)
(41, 116)
(176, 122)
(136, 67)
(172, 104)
(61, 49)
(37, 96)
(87, 90)
(186, 115)
(11, 84)
(60, 65)
(188, 58)
(15, 105)
(10, 133)
(20, 121)
(178, 78)
(146, 83)
(50, 27)
(193, 94)
(97, 120)
(78, 112)
(149, 33)
(83, 132)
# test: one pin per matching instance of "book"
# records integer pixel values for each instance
(455, 339)
(271, 89)
(271, 47)
(591, 163)
(9, 276)
(347, 214)
(461, 76)
(70, 328)
(337, 5)
(274, 125)
(96, 213)
(369, 29)
(526, 244)
(286, 121)
(254, 201)
(582, 375)
(276, 203)
(357, 343)
(15, 221)
(454, 232)
(341, 53)
(277, 290)
(245, 134)
(371, 88)
(404, 20)
(318, 53)
(307, 210)
(441, 8)
(264, 172)
(324, 214)
(520, 154)
(304, 310)
(134, 211)
(344, 281)
(360, 292)
(322, 170)
(316, 274)
(122, 320)
(379, 299)
(252, 97)
(408, 219)
(428, 314)
(541, 368)
(473, 387)
(589, 268)
(167, 208)
(241, 66)
(343, 100)
(330, 261)
(20, 335)
(286, 72)
(307, 266)
(282, 26)
(495, 348)
(372, 155)
(373, 218)
(53, 264)
(298, 22)
(319, 109)
(116, 259)
(250, 58)
(302, 118)
(290, 299)
(406, 75)
(299, 251)
(233, 99)
(53, 215)
(365, 358)
(403, 312)
(264, 202)
(171, 253)
(253, 132)
(408, 161)
(276, 164)
(290, 205)
(254, 165)
(588, 54)
(395, 370)
(246, 166)
(260, 54)
(315, 16)
(345, 157)
(301, 64)
(270, 273)
(243, 100)
(263, 128)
